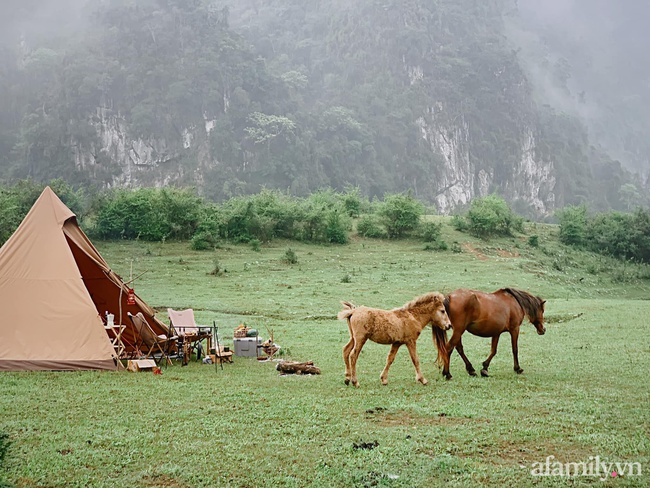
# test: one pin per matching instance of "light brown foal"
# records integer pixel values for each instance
(396, 327)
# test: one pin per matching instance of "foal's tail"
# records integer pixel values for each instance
(440, 341)
(348, 310)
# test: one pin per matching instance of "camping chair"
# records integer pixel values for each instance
(184, 326)
(150, 342)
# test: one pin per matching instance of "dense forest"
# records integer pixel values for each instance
(450, 99)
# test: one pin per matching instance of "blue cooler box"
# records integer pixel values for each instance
(247, 346)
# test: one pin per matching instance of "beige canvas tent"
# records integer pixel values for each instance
(54, 285)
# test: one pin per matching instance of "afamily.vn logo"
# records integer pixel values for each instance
(593, 467)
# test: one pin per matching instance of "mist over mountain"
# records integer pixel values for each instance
(542, 102)
(591, 59)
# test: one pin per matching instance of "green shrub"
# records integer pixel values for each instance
(573, 223)
(255, 245)
(314, 224)
(369, 226)
(337, 227)
(239, 219)
(210, 223)
(436, 246)
(640, 228)
(533, 241)
(203, 241)
(622, 235)
(353, 202)
(324, 219)
(610, 234)
(491, 216)
(150, 214)
(277, 215)
(290, 257)
(459, 222)
(430, 231)
(400, 214)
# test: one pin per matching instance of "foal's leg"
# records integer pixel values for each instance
(389, 360)
(346, 358)
(468, 366)
(416, 362)
(354, 355)
(514, 335)
(493, 351)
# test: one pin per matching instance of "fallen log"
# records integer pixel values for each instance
(294, 367)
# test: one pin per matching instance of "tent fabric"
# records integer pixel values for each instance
(53, 286)
(107, 289)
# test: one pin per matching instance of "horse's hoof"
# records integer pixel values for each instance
(356, 385)
(471, 373)
(448, 376)
(347, 381)
(484, 373)
(519, 371)
(384, 382)
(424, 382)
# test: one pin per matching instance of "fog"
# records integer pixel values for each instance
(39, 21)
(590, 58)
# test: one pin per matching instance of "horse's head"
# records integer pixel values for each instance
(538, 319)
(532, 306)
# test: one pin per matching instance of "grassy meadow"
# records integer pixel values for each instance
(584, 392)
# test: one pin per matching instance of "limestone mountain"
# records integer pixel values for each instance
(440, 97)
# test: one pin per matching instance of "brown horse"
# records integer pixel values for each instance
(398, 326)
(487, 315)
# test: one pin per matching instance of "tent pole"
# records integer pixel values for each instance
(218, 350)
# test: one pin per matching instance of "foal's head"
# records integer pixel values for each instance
(432, 304)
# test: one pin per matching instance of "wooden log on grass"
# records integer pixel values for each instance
(294, 367)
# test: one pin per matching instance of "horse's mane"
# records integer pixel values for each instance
(445, 302)
(531, 304)
(421, 300)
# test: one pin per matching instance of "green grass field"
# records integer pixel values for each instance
(584, 392)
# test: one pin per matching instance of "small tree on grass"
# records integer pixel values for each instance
(400, 214)
(573, 224)
(431, 232)
(370, 226)
(337, 227)
(352, 201)
(290, 257)
(491, 216)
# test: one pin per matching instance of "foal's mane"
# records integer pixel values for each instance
(531, 304)
(421, 300)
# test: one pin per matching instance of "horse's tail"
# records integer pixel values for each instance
(348, 310)
(440, 341)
